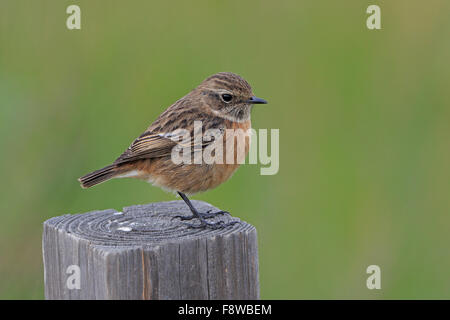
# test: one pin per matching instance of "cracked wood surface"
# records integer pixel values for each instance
(144, 252)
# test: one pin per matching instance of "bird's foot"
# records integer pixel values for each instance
(203, 216)
(206, 224)
(209, 214)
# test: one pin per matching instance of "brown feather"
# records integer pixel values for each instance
(149, 156)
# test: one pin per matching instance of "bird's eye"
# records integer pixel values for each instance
(227, 97)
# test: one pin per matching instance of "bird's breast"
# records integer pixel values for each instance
(191, 178)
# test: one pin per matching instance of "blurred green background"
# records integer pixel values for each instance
(363, 116)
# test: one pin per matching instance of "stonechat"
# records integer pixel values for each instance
(221, 103)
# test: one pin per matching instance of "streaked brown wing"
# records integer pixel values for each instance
(163, 134)
(147, 146)
(151, 145)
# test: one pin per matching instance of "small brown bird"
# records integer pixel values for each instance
(222, 102)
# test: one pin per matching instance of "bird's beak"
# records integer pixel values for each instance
(255, 100)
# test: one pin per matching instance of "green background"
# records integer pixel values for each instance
(363, 116)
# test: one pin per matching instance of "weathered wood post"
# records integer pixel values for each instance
(144, 253)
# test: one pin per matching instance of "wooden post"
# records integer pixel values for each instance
(146, 253)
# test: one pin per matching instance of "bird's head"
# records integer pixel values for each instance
(228, 96)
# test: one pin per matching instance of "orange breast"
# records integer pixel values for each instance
(193, 178)
(240, 140)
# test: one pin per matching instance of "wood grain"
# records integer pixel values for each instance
(146, 253)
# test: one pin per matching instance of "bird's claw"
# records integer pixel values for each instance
(216, 225)
(207, 215)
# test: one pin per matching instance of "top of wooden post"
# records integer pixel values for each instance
(145, 252)
(139, 225)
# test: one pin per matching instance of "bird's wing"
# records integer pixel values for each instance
(155, 145)
(147, 146)
(175, 126)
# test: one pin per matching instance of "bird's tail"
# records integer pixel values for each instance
(98, 176)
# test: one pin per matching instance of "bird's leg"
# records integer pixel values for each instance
(203, 216)
(196, 214)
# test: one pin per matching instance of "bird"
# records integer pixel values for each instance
(221, 104)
